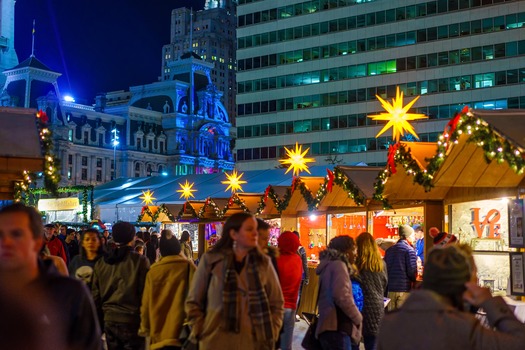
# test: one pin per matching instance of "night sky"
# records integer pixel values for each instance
(97, 45)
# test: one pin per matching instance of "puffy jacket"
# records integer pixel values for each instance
(401, 263)
(118, 283)
(374, 287)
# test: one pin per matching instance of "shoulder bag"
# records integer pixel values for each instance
(310, 342)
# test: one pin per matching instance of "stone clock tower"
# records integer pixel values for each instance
(8, 57)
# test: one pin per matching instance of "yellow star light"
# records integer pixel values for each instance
(397, 116)
(234, 181)
(147, 197)
(186, 190)
(296, 160)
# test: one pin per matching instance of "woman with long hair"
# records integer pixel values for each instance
(373, 278)
(185, 243)
(91, 250)
(340, 322)
(235, 300)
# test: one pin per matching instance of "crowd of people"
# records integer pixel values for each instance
(64, 289)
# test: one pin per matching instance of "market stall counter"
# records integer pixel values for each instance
(310, 291)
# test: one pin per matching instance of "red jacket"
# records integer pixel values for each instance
(56, 248)
(290, 268)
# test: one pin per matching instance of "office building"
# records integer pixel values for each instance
(212, 34)
(309, 71)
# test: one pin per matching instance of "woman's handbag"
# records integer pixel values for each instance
(310, 342)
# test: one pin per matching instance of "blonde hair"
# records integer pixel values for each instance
(368, 257)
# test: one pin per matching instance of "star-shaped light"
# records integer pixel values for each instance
(296, 160)
(186, 190)
(397, 116)
(234, 181)
(147, 197)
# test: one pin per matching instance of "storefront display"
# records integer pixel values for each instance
(385, 224)
(275, 230)
(346, 224)
(193, 229)
(517, 276)
(516, 228)
(484, 226)
(212, 233)
(312, 231)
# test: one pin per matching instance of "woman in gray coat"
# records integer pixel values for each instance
(235, 301)
(339, 319)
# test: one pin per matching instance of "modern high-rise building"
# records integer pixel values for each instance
(212, 34)
(309, 71)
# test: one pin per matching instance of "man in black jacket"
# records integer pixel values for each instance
(118, 284)
(68, 302)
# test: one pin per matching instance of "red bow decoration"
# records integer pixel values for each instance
(391, 161)
(230, 202)
(144, 209)
(294, 180)
(207, 202)
(465, 110)
(453, 124)
(331, 178)
(42, 116)
(266, 192)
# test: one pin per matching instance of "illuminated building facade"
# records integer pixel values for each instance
(309, 71)
(212, 38)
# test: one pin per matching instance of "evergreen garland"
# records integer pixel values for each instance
(494, 145)
(162, 209)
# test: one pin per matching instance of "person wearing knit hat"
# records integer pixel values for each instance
(118, 282)
(433, 232)
(443, 239)
(401, 262)
(437, 311)
(123, 233)
(167, 284)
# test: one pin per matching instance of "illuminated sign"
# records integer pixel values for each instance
(56, 204)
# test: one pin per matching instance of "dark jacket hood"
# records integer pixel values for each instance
(117, 255)
(327, 256)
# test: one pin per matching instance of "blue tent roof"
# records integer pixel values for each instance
(126, 191)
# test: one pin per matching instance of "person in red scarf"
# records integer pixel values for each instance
(290, 270)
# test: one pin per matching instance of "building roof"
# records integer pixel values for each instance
(32, 62)
(127, 191)
(190, 54)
